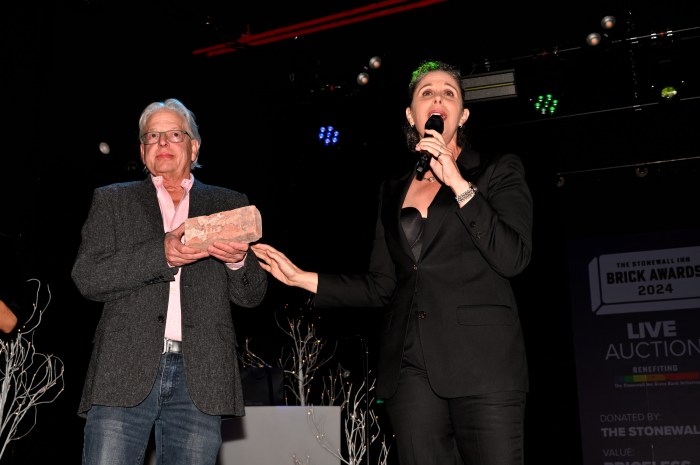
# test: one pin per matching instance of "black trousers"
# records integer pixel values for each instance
(475, 430)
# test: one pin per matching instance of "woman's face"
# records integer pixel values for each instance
(438, 93)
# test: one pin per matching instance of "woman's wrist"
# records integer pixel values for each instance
(307, 280)
(466, 194)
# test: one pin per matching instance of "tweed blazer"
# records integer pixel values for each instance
(459, 288)
(121, 263)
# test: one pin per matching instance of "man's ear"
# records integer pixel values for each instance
(195, 150)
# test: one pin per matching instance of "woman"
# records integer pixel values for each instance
(452, 369)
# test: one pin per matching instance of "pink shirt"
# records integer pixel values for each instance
(172, 218)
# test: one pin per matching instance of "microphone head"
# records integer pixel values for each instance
(436, 123)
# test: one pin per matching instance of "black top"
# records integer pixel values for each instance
(413, 223)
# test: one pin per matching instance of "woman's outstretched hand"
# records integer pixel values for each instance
(278, 265)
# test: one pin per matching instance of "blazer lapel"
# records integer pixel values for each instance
(442, 205)
(197, 204)
(393, 203)
(147, 196)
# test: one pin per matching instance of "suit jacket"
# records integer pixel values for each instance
(121, 262)
(459, 287)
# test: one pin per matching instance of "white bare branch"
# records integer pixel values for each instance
(360, 425)
(28, 378)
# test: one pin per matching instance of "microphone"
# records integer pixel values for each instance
(434, 122)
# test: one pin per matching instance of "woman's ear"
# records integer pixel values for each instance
(464, 118)
(409, 116)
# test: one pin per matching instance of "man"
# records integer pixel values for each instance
(164, 350)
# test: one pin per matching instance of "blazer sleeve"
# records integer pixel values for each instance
(121, 248)
(499, 218)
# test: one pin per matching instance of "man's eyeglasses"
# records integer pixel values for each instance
(153, 137)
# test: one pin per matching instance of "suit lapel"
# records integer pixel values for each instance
(147, 196)
(197, 204)
(396, 193)
(444, 202)
(442, 205)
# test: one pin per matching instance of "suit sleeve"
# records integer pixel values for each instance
(499, 218)
(115, 257)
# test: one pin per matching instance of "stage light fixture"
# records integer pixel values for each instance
(545, 104)
(608, 22)
(593, 39)
(375, 62)
(328, 135)
(667, 83)
(489, 86)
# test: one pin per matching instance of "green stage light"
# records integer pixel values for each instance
(545, 104)
(669, 92)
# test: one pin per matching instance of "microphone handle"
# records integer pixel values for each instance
(423, 165)
(434, 122)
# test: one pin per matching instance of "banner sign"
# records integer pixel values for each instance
(636, 325)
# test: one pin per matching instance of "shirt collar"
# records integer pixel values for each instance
(186, 183)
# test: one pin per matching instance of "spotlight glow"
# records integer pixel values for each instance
(593, 39)
(328, 135)
(608, 22)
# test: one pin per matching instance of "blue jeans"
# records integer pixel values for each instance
(183, 434)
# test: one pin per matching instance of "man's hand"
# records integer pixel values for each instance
(228, 252)
(177, 253)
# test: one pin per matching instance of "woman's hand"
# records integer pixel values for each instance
(278, 265)
(443, 161)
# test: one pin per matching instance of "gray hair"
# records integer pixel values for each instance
(178, 107)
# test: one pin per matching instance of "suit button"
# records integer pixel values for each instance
(472, 224)
(161, 318)
(415, 267)
(422, 315)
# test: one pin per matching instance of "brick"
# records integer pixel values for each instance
(238, 225)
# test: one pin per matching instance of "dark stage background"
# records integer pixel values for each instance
(614, 160)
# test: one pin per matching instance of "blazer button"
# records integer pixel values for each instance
(472, 224)
(415, 267)
(161, 318)
(422, 315)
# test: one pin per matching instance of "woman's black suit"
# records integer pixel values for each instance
(455, 302)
